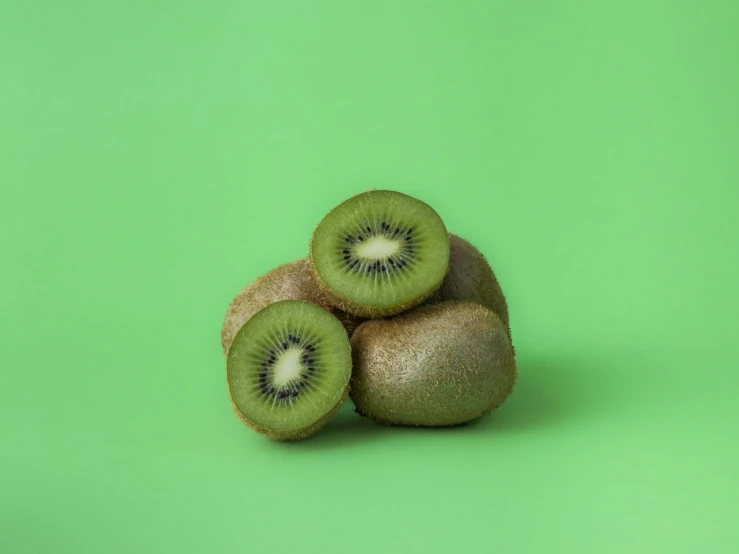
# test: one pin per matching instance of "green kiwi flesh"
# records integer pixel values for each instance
(438, 365)
(380, 253)
(471, 278)
(288, 369)
(291, 281)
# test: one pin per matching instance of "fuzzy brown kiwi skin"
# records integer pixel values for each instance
(291, 281)
(471, 278)
(468, 365)
(284, 436)
(352, 308)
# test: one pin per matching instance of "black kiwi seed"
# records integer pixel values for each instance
(294, 393)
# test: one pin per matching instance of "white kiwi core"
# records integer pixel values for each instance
(287, 366)
(377, 247)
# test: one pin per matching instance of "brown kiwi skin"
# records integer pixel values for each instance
(284, 436)
(467, 369)
(471, 278)
(290, 281)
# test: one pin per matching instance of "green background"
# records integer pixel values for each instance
(157, 156)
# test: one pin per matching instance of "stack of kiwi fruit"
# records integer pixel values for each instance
(388, 308)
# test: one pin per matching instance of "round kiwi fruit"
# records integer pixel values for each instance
(288, 369)
(380, 253)
(291, 281)
(471, 278)
(438, 365)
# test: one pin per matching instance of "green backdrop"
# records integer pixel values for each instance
(157, 156)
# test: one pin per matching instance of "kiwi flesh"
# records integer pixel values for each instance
(438, 365)
(471, 278)
(379, 253)
(288, 369)
(291, 281)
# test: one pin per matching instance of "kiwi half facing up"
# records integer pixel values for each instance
(288, 369)
(291, 281)
(380, 253)
(438, 365)
(471, 278)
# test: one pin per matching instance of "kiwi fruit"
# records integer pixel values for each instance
(379, 253)
(438, 365)
(288, 369)
(471, 278)
(291, 281)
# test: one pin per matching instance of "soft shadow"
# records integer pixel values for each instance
(346, 428)
(554, 391)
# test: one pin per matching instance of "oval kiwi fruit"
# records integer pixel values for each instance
(380, 253)
(291, 281)
(288, 369)
(471, 278)
(438, 365)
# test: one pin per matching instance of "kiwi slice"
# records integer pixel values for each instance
(291, 281)
(471, 278)
(288, 369)
(437, 365)
(380, 253)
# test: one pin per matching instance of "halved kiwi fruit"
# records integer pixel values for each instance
(288, 369)
(438, 365)
(380, 253)
(291, 281)
(471, 278)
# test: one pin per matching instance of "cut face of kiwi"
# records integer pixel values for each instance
(380, 253)
(288, 369)
(291, 281)
(438, 365)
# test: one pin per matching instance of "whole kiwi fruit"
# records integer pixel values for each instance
(438, 365)
(290, 281)
(471, 278)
